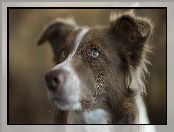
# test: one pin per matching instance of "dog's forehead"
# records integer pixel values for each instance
(100, 38)
(94, 35)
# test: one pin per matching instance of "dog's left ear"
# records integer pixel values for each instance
(57, 31)
(133, 33)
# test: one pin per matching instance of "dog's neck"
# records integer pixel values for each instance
(130, 115)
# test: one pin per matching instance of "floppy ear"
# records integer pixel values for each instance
(57, 31)
(133, 33)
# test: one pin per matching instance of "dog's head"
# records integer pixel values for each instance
(98, 65)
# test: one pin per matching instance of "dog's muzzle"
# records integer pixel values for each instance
(64, 88)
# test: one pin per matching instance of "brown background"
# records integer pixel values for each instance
(28, 102)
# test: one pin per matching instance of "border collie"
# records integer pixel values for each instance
(99, 71)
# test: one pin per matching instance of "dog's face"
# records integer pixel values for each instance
(94, 65)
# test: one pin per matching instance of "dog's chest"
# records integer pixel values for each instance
(98, 116)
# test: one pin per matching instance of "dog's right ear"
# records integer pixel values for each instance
(57, 31)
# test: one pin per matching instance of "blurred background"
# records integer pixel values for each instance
(28, 100)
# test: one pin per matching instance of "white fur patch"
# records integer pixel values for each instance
(72, 83)
(98, 116)
(142, 118)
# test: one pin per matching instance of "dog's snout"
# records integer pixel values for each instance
(55, 78)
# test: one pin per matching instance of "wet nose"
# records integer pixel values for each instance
(55, 78)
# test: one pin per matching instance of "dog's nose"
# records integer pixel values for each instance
(55, 78)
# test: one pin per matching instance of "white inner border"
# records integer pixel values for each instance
(61, 128)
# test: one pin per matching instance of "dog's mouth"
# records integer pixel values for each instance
(67, 104)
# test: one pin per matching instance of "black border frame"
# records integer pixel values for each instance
(8, 8)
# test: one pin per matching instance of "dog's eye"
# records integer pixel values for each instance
(94, 53)
(64, 53)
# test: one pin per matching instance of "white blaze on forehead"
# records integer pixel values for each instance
(79, 39)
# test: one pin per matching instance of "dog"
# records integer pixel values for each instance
(99, 72)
